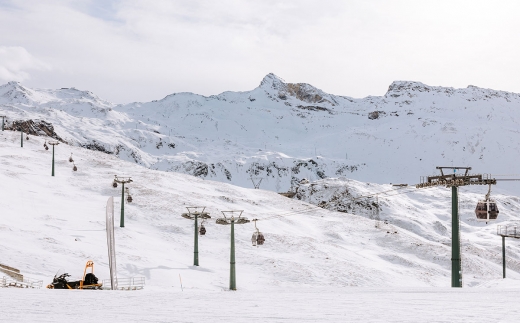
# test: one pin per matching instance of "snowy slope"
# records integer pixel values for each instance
(51, 223)
(281, 131)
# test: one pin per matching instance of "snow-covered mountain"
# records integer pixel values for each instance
(282, 132)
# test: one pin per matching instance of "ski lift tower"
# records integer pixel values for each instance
(195, 214)
(122, 181)
(506, 232)
(377, 217)
(53, 143)
(3, 121)
(232, 219)
(21, 137)
(454, 181)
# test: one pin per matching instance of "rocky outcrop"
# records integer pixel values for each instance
(34, 128)
(301, 91)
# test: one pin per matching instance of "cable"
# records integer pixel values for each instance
(395, 189)
(312, 208)
(316, 208)
(406, 190)
(410, 191)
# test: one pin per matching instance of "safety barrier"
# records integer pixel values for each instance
(7, 281)
(132, 283)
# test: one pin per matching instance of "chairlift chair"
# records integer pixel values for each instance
(114, 184)
(258, 238)
(487, 209)
(70, 158)
(129, 199)
(74, 168)
(202, 229)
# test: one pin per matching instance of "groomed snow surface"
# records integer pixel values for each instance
(267, 305)
(316, 265)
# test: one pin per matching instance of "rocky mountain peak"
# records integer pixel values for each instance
(15, 92)
(408, 86)
(271, 81)
(301, 91)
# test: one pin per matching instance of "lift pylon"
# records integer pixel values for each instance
(194, 213)
(506, 232)
(453, 181)
(232, 219)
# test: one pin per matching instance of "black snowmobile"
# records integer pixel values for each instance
(90, 281)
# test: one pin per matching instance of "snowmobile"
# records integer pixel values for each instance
(89, 281)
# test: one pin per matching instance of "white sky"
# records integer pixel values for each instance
(144, 50)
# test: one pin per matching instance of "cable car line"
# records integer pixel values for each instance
(411, 188)
(387, 193)
(407, 189)
(316, 208)
(313, 208)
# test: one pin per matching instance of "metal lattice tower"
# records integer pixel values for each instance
(256, 182)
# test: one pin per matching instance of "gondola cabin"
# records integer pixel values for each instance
(202, 230)
(486, 211)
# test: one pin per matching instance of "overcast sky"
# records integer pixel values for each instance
(144, 50)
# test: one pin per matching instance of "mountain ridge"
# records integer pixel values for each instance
(284, 132)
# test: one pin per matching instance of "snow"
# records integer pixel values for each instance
(301, 305)
(63, 218)
(324, 258)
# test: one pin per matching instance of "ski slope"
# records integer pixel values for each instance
(311, 267)
(51, 223)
